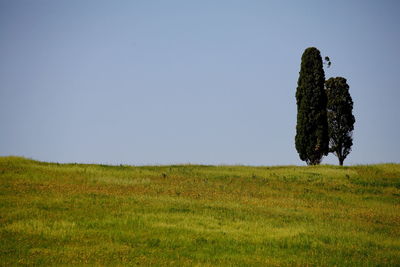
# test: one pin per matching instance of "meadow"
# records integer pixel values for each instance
(185, 215)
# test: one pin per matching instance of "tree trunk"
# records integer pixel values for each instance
(341, 161)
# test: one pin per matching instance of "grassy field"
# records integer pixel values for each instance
(65, 214)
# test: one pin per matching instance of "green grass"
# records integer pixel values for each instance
(66, 214)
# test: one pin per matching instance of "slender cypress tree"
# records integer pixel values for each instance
(312, 140)
(340, 117)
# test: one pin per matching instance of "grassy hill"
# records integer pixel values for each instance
(55, 214)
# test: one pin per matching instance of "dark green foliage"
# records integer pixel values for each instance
(327, 62)
(312, 141)
(340, 117)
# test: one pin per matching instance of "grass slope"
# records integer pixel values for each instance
(56, 214)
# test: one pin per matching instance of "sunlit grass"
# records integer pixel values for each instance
(55, 214)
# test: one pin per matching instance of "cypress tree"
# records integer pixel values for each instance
(340, 117)
(312, 140)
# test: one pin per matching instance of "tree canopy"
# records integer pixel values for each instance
(312, 141)
(340, 117)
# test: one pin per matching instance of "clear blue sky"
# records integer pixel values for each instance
(209, 82)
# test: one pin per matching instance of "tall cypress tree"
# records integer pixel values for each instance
(312, 140)
(340, 117)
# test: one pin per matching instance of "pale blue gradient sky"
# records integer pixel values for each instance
(210, 82)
